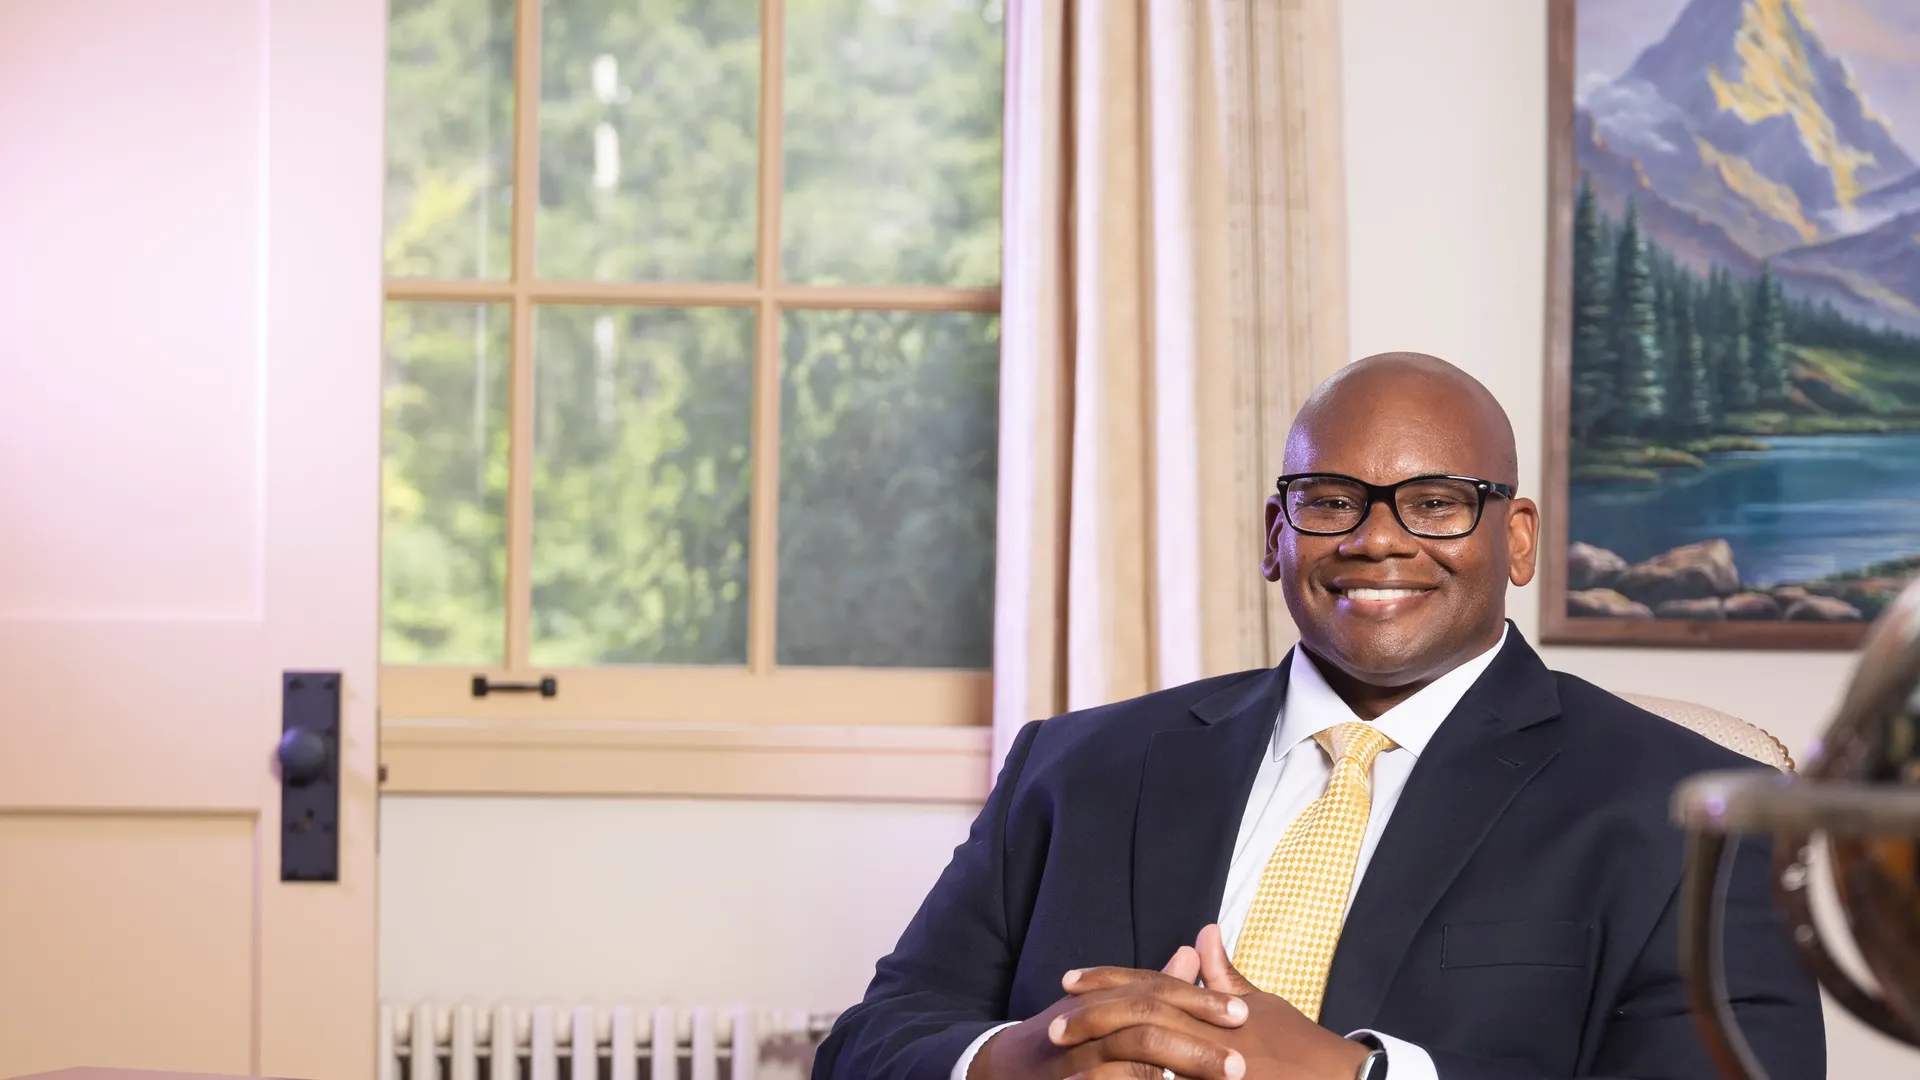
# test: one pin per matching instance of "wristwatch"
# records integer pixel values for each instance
(1374, 1067)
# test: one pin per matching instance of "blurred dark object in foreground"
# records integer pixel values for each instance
(1860, 788)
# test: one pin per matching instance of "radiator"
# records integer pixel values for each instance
(431, 1041)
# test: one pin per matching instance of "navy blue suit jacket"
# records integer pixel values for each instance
(1518, 919)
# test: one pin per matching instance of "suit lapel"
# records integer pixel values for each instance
(1488, 748)
(1193, 793)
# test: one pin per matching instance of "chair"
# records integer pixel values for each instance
(1729, 731)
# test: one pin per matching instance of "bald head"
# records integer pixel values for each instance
(1388, 606)
(1417, 389)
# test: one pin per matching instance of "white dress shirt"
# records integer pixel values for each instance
(1294, 773)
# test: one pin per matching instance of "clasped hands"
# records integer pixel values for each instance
(1127, 1024)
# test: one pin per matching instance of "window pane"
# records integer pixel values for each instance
(444, 484)
(892, 142)
(449, 138)
(641, 485)
(887, 473)
(649, 145)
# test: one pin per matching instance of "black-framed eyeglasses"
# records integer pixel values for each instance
(1430, 507)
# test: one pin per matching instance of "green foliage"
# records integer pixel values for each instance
(1594, 397)
(1667, 457)
(1823, 326)
(1638, 455)
(444, 475)
(892, 150)
(1690, 406)
(1709, 362)
(449, 138)
(1780, 423)
(1611, 474)
(1734, 339)
(1770, 372)
(1869, 383)
(1636, 339)
(642, 479)
(1724, 444)
(887, 477)
(649, 142)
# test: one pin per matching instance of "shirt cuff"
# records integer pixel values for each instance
(966, 1059)
(1405, 1061)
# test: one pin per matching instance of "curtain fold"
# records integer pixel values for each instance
(1174, 285)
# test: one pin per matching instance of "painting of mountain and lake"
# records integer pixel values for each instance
(1736, 331)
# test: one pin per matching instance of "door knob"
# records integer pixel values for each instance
(309, 754)
(303, 757)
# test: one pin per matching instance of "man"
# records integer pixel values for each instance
(1409, 848)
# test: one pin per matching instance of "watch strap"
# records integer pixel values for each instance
(1374, 1066)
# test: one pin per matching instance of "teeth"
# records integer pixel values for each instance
(1382, 594)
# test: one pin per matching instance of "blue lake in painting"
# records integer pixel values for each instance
(1811, 506)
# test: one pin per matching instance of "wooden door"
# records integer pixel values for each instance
(189, 507)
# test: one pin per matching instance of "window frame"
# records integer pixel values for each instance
(759, 693)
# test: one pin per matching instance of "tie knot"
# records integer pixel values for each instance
(1354, 741)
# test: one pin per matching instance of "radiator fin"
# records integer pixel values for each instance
(588, 1041)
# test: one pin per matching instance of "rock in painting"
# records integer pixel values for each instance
(1752, 605)
(1691, 572)
(1605, 603)
(1706, 607)
(1590, 567)
(1822, 609)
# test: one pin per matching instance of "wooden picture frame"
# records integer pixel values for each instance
(1812, 625)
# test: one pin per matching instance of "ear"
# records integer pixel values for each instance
(1523, 540)
(1270, 561)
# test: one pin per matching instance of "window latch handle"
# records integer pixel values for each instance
(546, 687)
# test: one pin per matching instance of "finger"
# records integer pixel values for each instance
(1216, 971)
(1185, 964)
(1202, 1003)
(1099, 1016)
(1186, 1053)
(1087, 980)
(1123, 1070)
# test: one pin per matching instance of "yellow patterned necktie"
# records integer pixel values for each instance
(1286, 944)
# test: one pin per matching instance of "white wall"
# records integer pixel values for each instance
(1446, 201)
(783, 904)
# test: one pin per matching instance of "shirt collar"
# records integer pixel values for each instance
(1312, 706)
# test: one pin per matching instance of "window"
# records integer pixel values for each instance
(691, 359)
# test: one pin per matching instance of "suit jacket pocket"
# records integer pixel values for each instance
(1529, 944)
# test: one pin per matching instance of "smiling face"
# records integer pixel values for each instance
(1388, 609)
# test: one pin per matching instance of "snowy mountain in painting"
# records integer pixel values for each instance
(1740, 137)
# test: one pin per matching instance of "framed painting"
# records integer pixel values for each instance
(1733, 320)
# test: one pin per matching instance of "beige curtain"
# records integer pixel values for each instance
(1174, 286)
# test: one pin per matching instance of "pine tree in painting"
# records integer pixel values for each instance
(1668, 295)
(1593, 366)
(1769, 335)
(1636, 337)
(1709, 321)
(1738, 390)
(1691, 412)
